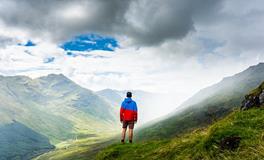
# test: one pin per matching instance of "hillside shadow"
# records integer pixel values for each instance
(20, 142)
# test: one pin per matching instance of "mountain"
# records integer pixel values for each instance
(237, 136)
(112, 96)
(206, 106)
(48, 110)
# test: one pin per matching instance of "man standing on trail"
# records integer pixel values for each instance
(128, 116)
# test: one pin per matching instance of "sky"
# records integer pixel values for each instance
(168, 46)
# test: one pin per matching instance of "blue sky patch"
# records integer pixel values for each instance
(74, 54)
(90, 42)
(28, 44)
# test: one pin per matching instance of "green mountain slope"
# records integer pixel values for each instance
(206, 106)
(54, 107)
(15, 136)
(237, 136)
(112, 96)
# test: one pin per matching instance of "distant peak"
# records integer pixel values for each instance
(107, 90)
(257, 67)
(246, 72)
(261, 64)
(54, 77)
(21, 77)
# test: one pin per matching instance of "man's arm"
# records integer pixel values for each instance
(122, 113)
(135, 112)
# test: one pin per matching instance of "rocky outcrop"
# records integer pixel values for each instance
(254, 99)
(261, 97)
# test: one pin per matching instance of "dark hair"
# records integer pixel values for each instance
(129, 94)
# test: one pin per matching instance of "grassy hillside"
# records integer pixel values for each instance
(240, 135)
(55, 108)
(206, 106)
(15, 136)
(81, 149)
(201, 143)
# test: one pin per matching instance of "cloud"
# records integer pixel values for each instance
(60, 20)
(49, 59)
(5, 41)
(238, 26)
(154, 22)
(143, 22)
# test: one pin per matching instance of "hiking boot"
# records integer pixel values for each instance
(130, 141)
(122, 141)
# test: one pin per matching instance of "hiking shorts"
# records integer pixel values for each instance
(128, 123)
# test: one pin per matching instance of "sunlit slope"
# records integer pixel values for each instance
(81, 149)
(54, 107)
(201, 144)
(206, 106)
(240, 135)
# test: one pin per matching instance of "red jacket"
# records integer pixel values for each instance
(128, 110)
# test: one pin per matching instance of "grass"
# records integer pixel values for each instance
(81, 149)
(201, 143)
(257, 91)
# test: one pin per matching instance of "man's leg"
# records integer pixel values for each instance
(123, 135)
(130, 135)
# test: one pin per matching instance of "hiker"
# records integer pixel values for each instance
(128, 116)
(261, 97)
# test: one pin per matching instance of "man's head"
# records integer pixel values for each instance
(129, 94)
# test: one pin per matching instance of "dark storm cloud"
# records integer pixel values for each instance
(168, 19)
(145, 22)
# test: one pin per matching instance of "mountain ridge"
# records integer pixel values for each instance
(215, 101)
